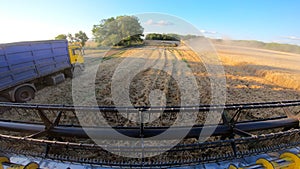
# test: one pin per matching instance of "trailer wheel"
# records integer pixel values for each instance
(4, 99)
(69, 73)
(24, 94)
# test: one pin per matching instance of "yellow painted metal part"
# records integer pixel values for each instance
(294, 158)
(3, 160)
(267, 164)
(232, 167)
(76, 55)
(5, 164)
(286, 160)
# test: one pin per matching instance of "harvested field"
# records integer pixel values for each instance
(251, 76)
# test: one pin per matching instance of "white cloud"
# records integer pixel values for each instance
(208, 32)
(158, 23)
(291, 37)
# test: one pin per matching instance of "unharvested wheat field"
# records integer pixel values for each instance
(279, 68)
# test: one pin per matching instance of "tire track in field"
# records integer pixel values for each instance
(169, 93)
(199, 71)
(142, 83)
(105, 73)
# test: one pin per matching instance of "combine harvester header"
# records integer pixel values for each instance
(52, 132)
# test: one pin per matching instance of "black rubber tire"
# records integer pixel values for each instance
(4, 99)
(69, 73)
(24, 94)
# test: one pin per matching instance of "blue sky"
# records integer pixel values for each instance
(265, 20)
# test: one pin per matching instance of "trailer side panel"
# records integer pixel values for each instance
(22, 62)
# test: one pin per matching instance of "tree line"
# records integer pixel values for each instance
(127, 31)
(120, 31)
(158, 36)
(78, 37)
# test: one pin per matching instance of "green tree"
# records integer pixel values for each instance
(81, 37)
(157, 36)
(122, 30)
(71, 38)
(61, 37)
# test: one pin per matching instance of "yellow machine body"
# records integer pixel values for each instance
(76, 53)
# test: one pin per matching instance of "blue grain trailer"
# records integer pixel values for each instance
(24, 65)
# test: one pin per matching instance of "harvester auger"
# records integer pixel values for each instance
(54, 132)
